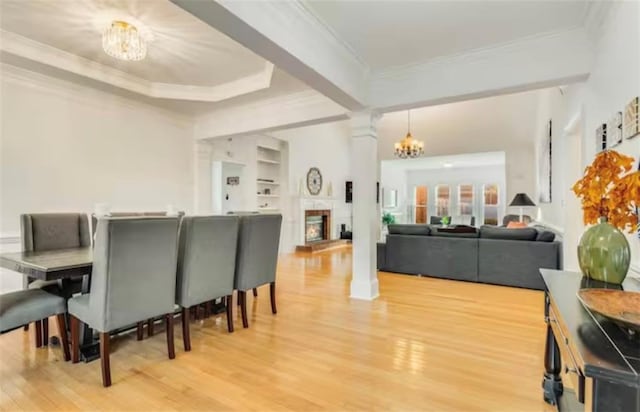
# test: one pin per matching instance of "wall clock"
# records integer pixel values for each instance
(314, 181)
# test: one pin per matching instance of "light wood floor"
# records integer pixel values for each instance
(424, 345)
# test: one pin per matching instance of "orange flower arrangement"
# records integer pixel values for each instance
(610, 189)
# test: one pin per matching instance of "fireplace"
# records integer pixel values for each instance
(317, 224)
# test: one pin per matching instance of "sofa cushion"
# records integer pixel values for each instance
(545, 236)
(415, 230)
(454, 234)
(494, 232)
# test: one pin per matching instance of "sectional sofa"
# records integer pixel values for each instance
(491, 254)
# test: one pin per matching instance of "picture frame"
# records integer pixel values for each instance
(631, 121)
(233, 180)
(614, 130)
(601, 137)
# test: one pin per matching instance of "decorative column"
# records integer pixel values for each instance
(203, 179)
(364, 161)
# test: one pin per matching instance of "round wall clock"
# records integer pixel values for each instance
(314, 181)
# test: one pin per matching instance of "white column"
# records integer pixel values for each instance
(364, 161)
(203, 201)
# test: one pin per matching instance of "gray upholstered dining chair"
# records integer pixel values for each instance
(206, 265)
(26, 306)
(133, 279)
(257, 257)
(50, 231)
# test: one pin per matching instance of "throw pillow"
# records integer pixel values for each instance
(516, 225)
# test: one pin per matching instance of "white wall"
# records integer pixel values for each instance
(66, 148)
(614, 81)
(503, 123)
(327, 147)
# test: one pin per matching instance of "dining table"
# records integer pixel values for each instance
(64, 265)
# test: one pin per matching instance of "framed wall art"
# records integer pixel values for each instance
(631, 124)
(601, 137)
(614, 130)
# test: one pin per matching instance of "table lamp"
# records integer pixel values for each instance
(521, 200)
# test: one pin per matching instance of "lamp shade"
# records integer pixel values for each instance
(521, 199)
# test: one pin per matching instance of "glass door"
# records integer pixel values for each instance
(421, 197)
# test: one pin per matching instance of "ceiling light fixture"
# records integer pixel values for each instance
(124, 42)
(409, 147)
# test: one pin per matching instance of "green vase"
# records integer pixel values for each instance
(604, 253)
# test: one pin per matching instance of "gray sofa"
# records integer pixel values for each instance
(495, 255)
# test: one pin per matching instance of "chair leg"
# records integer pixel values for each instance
(45, 331)
(38, 333)
(272, 291)
(170, 344)
(242, 297)
(186, 336)
(255, 292)
(139, 330)
(64, 340)
(104, 359)
(75, 339)
(26, 327)
(150, 327)
(229, 305)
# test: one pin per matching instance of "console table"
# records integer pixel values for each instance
(600, 359)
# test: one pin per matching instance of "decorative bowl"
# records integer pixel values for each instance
(621, 307)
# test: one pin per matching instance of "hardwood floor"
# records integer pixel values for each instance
(425, 344)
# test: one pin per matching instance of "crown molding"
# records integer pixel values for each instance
(81, 94)
(544, 60)
(470, 56)
(595, 17)
(29, 49)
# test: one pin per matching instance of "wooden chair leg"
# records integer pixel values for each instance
(75, 339)
(272, 291)
(64, 340)
(170, 344)
(229, 305)
(255, 292)
(186, 336)
(150, 327)
(207, 309)
(242, 297)
(45, 332)
(26, 327)
(38, 332)
(104, 359)
(140, 330)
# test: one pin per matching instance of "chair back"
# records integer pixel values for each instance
(94, 218)
(134, 270)
(257, 257)
(206, 258)
(49, 231)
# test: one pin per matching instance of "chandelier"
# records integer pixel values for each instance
(409, 147)
(123, 41)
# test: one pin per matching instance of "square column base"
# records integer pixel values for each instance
(364, 290)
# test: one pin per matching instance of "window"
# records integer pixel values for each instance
(442, 200)
(465, 200)
(491, 204)
(421, 197)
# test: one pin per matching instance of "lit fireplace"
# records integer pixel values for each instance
(316, 225)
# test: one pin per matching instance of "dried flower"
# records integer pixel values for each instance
(608, 189)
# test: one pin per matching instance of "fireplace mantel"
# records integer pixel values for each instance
(305, 203)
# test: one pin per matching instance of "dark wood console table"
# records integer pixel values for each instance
(601, 360)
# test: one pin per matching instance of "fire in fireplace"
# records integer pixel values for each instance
(314, 228)
(316, 225)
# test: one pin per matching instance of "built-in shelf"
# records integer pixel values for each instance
(273, 149)
(260, 182)
(272, 162)
(268, 196)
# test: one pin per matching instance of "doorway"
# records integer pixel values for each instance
(421, 194)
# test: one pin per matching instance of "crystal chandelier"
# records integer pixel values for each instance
(409, 147)
(123, 41)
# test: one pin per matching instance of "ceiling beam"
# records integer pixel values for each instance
(288, 35)
(542, 61)
(293, 110)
